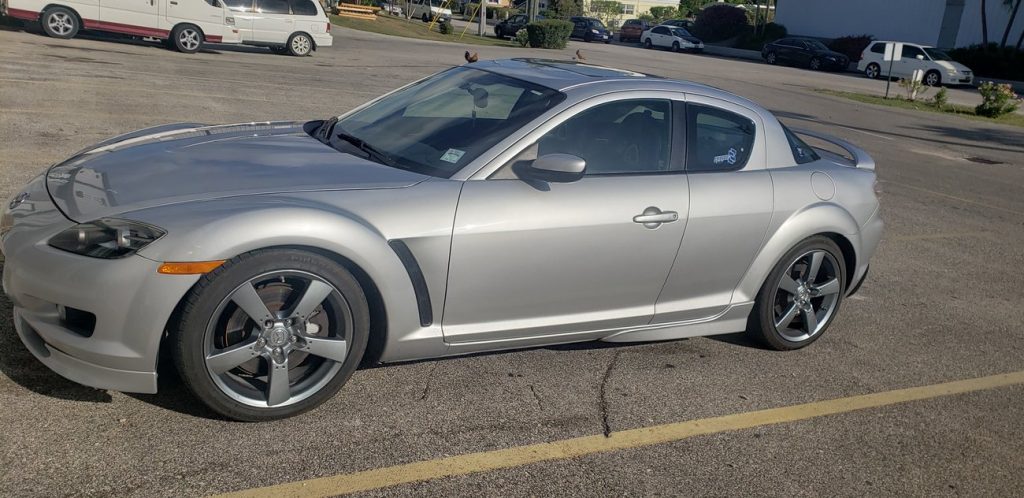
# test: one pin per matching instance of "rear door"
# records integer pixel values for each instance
(731, 201)
(272, 22)
(306, 17)
(137, 17)
(243, 12)
(660, 36)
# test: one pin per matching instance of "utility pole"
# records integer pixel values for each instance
(483, 18)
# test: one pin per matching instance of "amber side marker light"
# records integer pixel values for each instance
(191, 268)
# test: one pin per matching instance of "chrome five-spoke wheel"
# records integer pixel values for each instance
(801, 296)
(271, 333)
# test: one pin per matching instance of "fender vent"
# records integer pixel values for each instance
(419, 284)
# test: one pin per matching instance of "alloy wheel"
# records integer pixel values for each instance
(872, 71)
(188, 38)
(806, 295)
(300, 45)
(771, 58)
(815, 64)
(61, 23)
(931, 79)
(278, 338)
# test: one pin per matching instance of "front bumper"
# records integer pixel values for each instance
(131, 303)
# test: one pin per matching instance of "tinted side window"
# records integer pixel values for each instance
(878, 48)
(911, 52)
(660, 30)
(802, 153)
(272, 7)
(239, 5)
(303, 7)
(622, 137)
(717, 140)
(213, 3)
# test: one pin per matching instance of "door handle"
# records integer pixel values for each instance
(653, 217)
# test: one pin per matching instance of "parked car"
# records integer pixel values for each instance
(679, 23)
(590, 29)
(184, 24)
(509, 27)
(804, 52)
(936, 66)
(391, 7)
(419, 237)
(672, 38)
(295, 27)
(428, 10)
(633, 30)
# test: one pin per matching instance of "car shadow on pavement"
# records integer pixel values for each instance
(18, 364)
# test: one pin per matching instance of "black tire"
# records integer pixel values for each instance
(60, 22)
(771, 58)
(497, 32)
(815, 64)
(187, 39)
(299, 45)
(279, 49)
(675, 46)
(761, 326)
(425, 17)
(208, 303)
(873, 71)
(932, 78)
(648, 44)
(588, 38)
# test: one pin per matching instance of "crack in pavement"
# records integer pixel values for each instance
(603, 401)
(430, 378)
(535, 396)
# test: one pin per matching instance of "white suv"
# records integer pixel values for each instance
(937, 66)
(295, 27)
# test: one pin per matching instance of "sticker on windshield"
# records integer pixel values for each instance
(452, 156)
(727, 158)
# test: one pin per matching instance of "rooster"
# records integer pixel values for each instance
(579, 56)
(471, 57)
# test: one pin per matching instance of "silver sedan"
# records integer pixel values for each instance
(497, 205)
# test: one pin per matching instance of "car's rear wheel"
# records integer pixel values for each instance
(271, 334)
(300, 45)
(932, 78)
(872, 71)
(801, 296)
(59, 22)
(771, 58)
(425, 17)
(648, 44)
(815, 63)
(187, 38)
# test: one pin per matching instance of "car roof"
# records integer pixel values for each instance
(905, 43)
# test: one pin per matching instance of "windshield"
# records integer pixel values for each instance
(594, 23)
(680, 32)
(937, 55)
(440, 124)
(815, 44)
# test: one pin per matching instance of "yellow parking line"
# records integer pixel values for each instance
(645, 436)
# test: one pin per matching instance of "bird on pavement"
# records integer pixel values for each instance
(579, 56)
(471, 57)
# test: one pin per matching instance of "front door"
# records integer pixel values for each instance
(244, 12)
(138, 17)
(532, 258)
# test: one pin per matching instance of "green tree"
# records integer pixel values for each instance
(661, 14)
(608, 11)
(564, 9)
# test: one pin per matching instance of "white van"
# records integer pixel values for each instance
(938, 68)
(427, 10)
(185, 24)
(286, 26)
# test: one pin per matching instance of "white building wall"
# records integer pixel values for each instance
(916, 21)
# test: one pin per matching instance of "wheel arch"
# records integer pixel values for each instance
(63, 6)
(828, 220)
(170, 34)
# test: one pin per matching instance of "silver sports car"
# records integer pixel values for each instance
(497, 205)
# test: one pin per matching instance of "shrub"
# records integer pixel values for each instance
(549, 33)
(523, 37)
(720, 22)
(992, 61)
(941, 99)
(851, 46)
(913, 88)
(755, 39)
(996, 99)
(445, 28)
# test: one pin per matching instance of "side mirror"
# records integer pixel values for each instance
(920, 57)
(559, 168)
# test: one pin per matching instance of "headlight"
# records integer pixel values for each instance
(106, 238)
(230, 21)
(593, 31)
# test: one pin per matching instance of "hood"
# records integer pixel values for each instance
(208, 162)
(829, 53)
(953, 65)
(691, 39)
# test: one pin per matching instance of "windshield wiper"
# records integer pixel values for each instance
(323, 133)
(371, 151)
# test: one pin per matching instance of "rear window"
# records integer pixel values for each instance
(878, 48)
(802, 153)
(303, 8)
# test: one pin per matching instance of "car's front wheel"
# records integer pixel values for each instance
(271, 334)
(675, 46)
(801, 296)
(59, 22)
(932, 78)
(771, 58)
(815, 63)
(648, 44)
(187, 38)
(872, 71)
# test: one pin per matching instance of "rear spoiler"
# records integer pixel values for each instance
(858, 158)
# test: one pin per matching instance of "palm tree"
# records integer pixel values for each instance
(1009, 25)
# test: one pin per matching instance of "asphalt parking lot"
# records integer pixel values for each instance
(943, 303)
